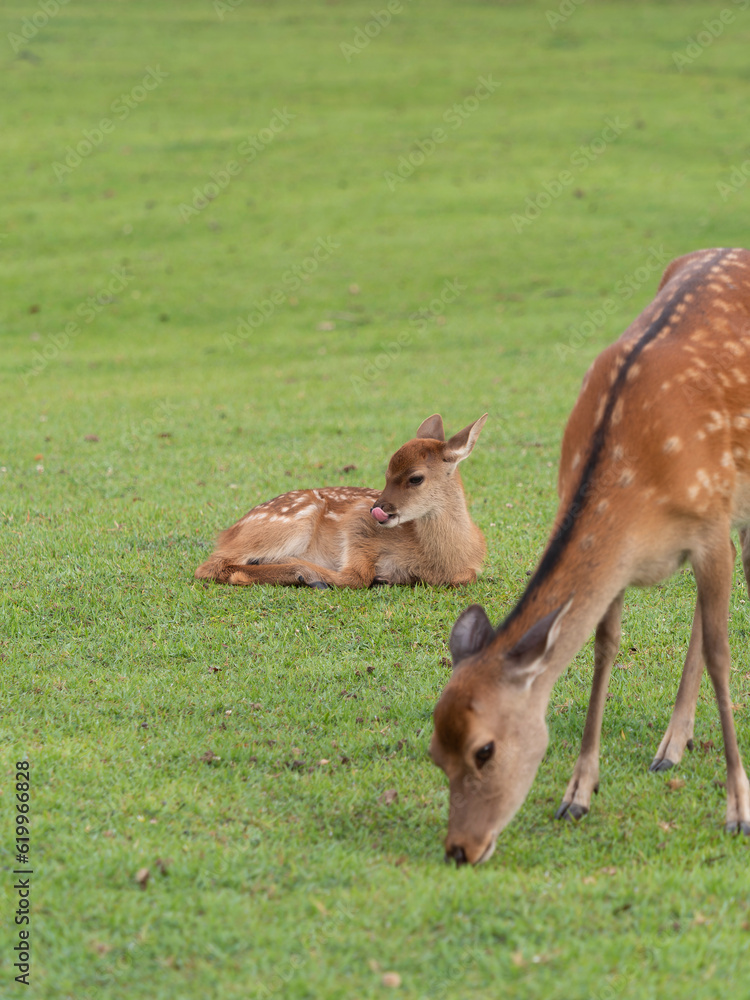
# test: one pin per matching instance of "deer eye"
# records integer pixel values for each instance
(483, 754)
(416, 480)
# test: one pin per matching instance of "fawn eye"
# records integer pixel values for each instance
(416, 480)
(483, 754)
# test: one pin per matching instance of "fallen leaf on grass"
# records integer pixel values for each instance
(667, 827)
(707, 745)
(141, 877)
(91, 437)
(517, 959)
(163, 864)
(209, 757)
(391, 979)
(675, 784)
(388, 797)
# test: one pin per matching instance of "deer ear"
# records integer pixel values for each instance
(525, 661)
(460, 445)
(471, 633)
(432, 427)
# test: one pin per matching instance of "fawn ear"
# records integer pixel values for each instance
(525, 661)
(432, 427)
(460, 445)
(471, 633)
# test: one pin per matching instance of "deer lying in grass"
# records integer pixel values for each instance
(417, 529)
(655, 470)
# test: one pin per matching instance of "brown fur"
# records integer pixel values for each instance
(654, 471)
(329, 536)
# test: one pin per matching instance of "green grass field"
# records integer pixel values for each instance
(174, 352)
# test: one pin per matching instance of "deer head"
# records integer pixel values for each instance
(490, 732)
(421, 478)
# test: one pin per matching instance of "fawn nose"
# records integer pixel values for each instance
(457, 854)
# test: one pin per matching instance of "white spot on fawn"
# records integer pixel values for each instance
(672, 444)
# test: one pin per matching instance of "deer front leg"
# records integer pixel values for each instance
(585, 779)
(713, 573)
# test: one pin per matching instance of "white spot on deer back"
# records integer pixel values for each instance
(672, 444)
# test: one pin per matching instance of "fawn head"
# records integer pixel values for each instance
(490, 732)
(420, 480)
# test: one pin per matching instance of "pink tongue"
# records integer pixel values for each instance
(379, 514)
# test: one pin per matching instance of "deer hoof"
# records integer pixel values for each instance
(571, 811)
(318, 585)
(660, 765)
(738, 826)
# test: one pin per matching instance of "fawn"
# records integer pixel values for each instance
(654, 471)
(418, 529)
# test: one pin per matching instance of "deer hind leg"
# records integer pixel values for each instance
(292, 574)
(679, 734)
(713, 573)
(745, 547)
(585, 779)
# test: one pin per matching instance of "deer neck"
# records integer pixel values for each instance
(590, 576)
(448, 527)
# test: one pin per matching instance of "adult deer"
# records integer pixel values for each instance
(418, 529)
(654, 471)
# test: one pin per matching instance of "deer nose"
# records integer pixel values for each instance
(457, 854)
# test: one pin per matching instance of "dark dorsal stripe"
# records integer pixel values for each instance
(564, 534)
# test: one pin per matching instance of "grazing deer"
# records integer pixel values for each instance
(654, 471)
(417, 529)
